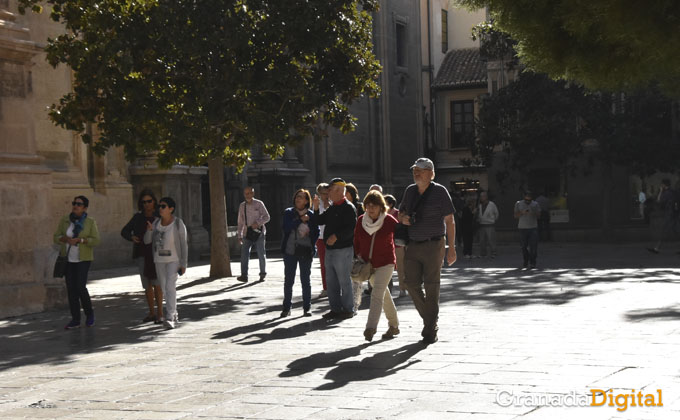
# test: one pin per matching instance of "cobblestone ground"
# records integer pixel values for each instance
(513, 345)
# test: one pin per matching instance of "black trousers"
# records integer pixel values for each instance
(76, 286)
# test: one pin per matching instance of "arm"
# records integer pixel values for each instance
(264, 215)
(127, 230)
(184, 246)
(451, 236)
(60, 234)
(517, 214)
(290, 222)
(241, 222)
(349, 221)
(93, 239)
(148, 235)
(494, 212)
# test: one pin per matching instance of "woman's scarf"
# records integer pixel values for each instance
(77, 223)
(369, 225)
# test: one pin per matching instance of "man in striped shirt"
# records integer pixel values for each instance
(427, 210)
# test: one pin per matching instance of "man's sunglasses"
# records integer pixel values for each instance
(77, 203)
(163, 206)
(147, 201)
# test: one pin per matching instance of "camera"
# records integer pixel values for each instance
(412, 218)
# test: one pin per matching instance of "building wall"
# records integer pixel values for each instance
(42, 168)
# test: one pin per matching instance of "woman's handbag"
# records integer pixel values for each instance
(303, 251)
(60, 265)
(362, 270)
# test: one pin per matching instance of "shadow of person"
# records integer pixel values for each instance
(321, 360)
(379, 365)
(283, 333)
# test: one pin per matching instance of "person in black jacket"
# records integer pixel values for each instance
(339, 221)
(134, 231)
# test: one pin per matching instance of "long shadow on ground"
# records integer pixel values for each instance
(40, 338)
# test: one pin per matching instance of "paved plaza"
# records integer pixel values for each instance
(513, 344)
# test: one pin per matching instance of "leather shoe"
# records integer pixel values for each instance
(284, 313)
(330, 315)
(307, 313)
(369, 333)
(243, 279)
(430, 338)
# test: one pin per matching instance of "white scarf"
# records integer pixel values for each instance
(369, 225)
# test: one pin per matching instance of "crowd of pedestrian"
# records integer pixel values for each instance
(413, 238)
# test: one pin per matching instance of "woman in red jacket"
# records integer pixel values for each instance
(376, 222)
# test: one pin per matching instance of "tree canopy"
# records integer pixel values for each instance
(536, 119)
(195, 80)
(603, 44)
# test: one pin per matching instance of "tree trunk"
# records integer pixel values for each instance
(219, 248)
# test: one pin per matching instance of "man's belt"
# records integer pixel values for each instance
(432, 239)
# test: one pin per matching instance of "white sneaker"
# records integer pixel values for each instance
(169, 324)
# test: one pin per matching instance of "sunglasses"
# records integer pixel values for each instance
(163, 206)
(147, 201)
(77, 203)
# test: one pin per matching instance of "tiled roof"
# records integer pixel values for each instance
(461, 69)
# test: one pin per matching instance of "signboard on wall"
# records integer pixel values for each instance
(559, 216)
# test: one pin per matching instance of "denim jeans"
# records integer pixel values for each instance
(76, 286)
(290, 263)
(245, 255)
(338, 269)
(528, 239)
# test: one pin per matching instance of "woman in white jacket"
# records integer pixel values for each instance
(168, 236)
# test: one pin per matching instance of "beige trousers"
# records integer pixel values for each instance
(381, 299)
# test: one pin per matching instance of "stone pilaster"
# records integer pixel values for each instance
(24, 181)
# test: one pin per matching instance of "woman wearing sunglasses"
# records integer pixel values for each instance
(78, 234)
(142, 253)
(168, 236)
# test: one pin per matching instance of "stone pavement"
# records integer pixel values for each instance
(513, 345)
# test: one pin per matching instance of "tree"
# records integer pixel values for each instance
(200, 81)
(539, 119)
(603, 44)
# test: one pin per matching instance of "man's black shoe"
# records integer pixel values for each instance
(284, 313)
(242, 279)
(307, 313)
(430, 338)
(330, 315)
(345, 315)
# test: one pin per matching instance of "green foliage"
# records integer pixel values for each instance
(536, 119)
(200, 79)
(603, 44)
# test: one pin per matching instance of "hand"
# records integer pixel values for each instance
(315, 202)
(255, 226)
(451, 256)
(136, 239)
(182, 270)
(331, 240)
(240, 241)
(73, 241)
(405, 220)
(63, 239)
(149, 226)
(304, 218)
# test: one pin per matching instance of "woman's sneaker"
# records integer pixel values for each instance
(90, 321)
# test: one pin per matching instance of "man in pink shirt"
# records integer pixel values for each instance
(252, 217)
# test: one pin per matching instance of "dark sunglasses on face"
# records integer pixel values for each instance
(77, 203)
(163, 206)
(147, 201)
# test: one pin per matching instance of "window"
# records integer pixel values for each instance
(401, 44)
(445, 31)
(462, 123)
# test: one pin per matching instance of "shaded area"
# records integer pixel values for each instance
(297, 330)
(40, 338)
(506, 288)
